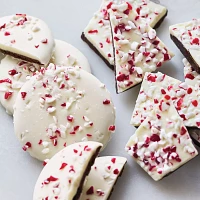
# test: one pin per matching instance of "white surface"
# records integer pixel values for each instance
(67, 19)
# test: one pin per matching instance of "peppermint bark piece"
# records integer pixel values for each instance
(137, 48)
(102, 178)
(63, 99)
(27, 38)
(187, 39)
(98, 36)
(157, 86)
(64, 175)
(161, 144)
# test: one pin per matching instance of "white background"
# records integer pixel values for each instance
(67, 19)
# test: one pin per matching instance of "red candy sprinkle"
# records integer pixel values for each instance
(116, 172)
(109, 5)
(106, 102)
(195, 41)
(23, 94)
(93, 31)
(50, 179)
(2, 26)
(7, 80)
(195, 103)
(70, 118)
(26, 146)
(45, 41)
(12, 72)
(166, 57)
(155, 138)
(122, 77)
(189, 91)
(63, 166)
(90, 191)
(113, 160)
(63, 104)
(183, 130)
(8, 95)
(7, 33)
(189, 76)
(111, 128)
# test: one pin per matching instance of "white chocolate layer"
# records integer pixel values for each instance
(62, 176)
(157, 86)
(102, 178)
(60, 106)
(98, 31)
(26, 36)
(162, 143)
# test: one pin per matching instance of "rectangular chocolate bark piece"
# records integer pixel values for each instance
(137, 49)
(161, 144)
(187, 39)
(98, 32)
(156, 86)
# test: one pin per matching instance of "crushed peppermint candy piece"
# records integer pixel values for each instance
(133, 60)
(102, 178)
(63, 174)
(161, 144)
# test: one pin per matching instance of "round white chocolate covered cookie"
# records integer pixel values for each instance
(14, 72)
(63, 176)
(67, 55)
(60, 106)
(102, 178)
(27, 38)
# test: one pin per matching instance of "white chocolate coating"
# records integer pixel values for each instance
(98, 31)
(61, 106)
(67, 55)
(162, 143)
(26, 36)
(61, 177)
(157, 86)
(64, 54)
(191, 77)
(102, 177)
(188, 34)
(137, 48)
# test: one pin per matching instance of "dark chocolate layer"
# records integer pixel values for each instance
(27, 59)
(195, 135)
(186, 53)
(87, 171)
